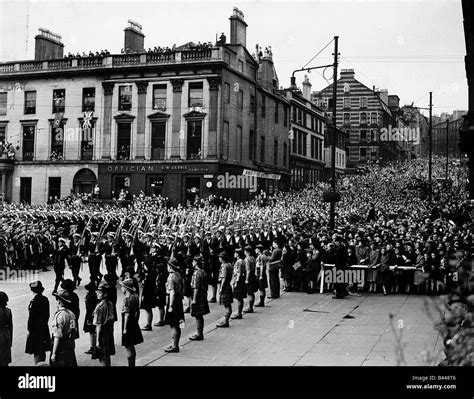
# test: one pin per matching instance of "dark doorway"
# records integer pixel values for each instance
(25, 189)
(192, 187)
(84, 181)
(54, 189)
(121, 182)
(155, 185)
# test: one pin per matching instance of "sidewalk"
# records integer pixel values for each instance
(296, 329)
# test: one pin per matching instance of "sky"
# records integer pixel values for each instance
(407, 47)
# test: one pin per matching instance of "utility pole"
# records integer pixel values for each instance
(430, 150)
(332, 209)
(447, 147)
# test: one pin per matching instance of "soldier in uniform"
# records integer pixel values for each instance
(199, 305)
(38, 340)
(225, 287)
(95, 252)
(76, 250)
(127, 257)
(61, 256)
(63, 329)
(111, 249)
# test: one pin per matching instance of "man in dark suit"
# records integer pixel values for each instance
(340, 260)
(38, 339)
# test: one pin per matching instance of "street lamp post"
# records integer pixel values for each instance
(333, 141)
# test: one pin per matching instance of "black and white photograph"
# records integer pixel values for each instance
(250, 183)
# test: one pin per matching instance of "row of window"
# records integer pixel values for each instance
(364, 118)
(124, 129)
(300, 177)
(195, 99)
(363, 153)
(304, 119)
(348, 101)
(226, 154)
(300, 145)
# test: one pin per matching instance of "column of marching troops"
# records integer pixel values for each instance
(162, 265)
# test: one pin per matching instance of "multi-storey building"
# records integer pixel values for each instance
(168, 122)
(362, 113)
(446, 135)
(308, 122)
(341, 157)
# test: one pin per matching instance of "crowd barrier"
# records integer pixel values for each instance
(364, 268)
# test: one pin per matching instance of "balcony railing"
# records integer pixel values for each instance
(111, 61)
(159, 58)
(126, 59)
(59, 64)
(31, 66)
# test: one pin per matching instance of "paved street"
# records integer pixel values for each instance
(296, 330)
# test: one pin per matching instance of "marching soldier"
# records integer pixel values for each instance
(111, 250)
(95, 252)
(61, 256)
(76, 251)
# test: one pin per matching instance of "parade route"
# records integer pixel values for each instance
(296, 330)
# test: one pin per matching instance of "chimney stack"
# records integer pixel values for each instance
(383, 95)
(306, 88)
(394, 103)
(238, 28)
(134, 39)
(48, 45)
(347, 73)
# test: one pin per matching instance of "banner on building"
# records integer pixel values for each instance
(262, 175)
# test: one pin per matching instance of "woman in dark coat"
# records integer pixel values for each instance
(91, 303)
(38, 340)
(274, 267)
(174, 309)
(6, 331)
(149, 299)
(383, 270)
(287, 269)
(105, 316)
(199, 305)
(312, 269)
(160, 293)
(131, 333)
(299, 266)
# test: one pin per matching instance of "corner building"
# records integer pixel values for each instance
(165, 122)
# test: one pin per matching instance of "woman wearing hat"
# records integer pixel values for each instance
(199, 305)
(149, 298)
(73, 306)
(91, 302)
(174, 309)
(251, 282)
(261, 271)
(63, 331)
(6, 331)
(104, 318)
(38, 340)
(225, 287)
(238, 282)
(131, 333)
